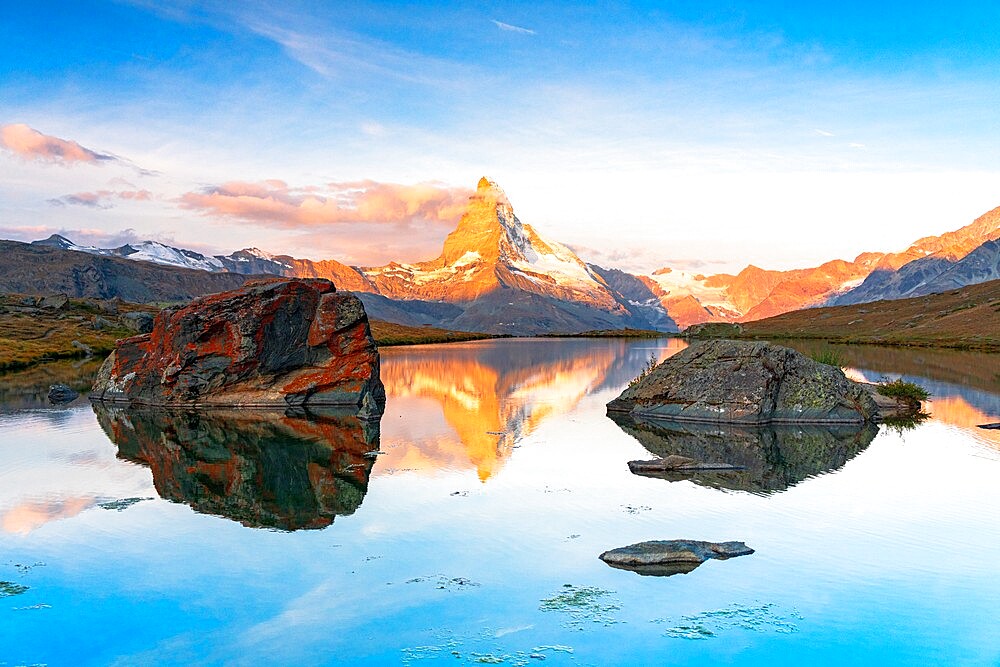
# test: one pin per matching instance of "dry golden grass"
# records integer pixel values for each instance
(390, 333)
(968, 317)
(29, 338)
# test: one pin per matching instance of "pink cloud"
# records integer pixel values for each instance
(33, 145)
(273, 203)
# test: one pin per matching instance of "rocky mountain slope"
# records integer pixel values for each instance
(495, 274)
(932, 264)
(498, 275)
(966, 256)
(968, 317)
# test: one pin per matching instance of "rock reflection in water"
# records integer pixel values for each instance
(771, 458)
(262, 469)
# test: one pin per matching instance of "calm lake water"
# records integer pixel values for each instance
(473, 537)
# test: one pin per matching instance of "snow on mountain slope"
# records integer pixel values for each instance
(157, 253)
(492, 249)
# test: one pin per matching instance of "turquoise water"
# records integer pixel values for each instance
(472, 536)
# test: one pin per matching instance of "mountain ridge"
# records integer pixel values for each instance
(497, 274)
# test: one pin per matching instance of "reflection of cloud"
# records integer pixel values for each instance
(30, 516)
(507, 27)
(101, 198)
(956, 411)
(273, 203)
(33, 145)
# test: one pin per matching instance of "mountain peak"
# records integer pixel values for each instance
(56, 240)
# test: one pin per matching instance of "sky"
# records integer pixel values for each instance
(702, 135)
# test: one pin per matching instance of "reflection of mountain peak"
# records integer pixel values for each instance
(261, 469)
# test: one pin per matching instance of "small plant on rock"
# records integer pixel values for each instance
(903, 390)
(647, 369)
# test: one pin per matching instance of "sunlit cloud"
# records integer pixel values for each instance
(507, 27)
(274, 203)
(100, 199)
(31, 144)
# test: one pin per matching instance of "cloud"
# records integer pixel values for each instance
(33, 145)
(273, 203)
(824, 133)
(101, 198)
(858, 146)
(507, 27)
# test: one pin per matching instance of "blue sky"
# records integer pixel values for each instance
(705, 135)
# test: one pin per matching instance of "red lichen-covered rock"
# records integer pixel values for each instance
(295, 342)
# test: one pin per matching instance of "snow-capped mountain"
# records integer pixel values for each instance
(498, 274)
(146, 251)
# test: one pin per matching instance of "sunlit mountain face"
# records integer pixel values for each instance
(474, 402)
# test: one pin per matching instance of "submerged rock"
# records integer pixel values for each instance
(60, 393)
(755, 458)
(675, 463)
(273, 342)
(265, 469)
(667, 557)
(744, 382)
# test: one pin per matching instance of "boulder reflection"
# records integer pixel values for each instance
(771, 458)
(265, 470)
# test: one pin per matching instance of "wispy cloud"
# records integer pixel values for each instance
(31, 144)
(507, 27)
(101, 198)
(823, 133)
(274, 203)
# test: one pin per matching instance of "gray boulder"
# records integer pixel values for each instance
(663, 558)
(60, 393)
(746, 382)
(138, 321)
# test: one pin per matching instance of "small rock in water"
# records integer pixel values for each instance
(990, 426)
(668, 557)
(675, 463)
(60, 393)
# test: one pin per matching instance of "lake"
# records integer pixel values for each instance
(465, 527)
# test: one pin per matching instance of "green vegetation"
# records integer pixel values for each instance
(647, 369)
(829, 357)
(903, 390)
(9, 588)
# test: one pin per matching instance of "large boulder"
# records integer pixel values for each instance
(273, 342)
(746, 382)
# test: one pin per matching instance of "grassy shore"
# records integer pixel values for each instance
(390, 333)
(30, 335)
(965, 318)
(614, 333)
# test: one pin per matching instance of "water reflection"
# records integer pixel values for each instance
(769, 458)
(469, 404)
(263, 470)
